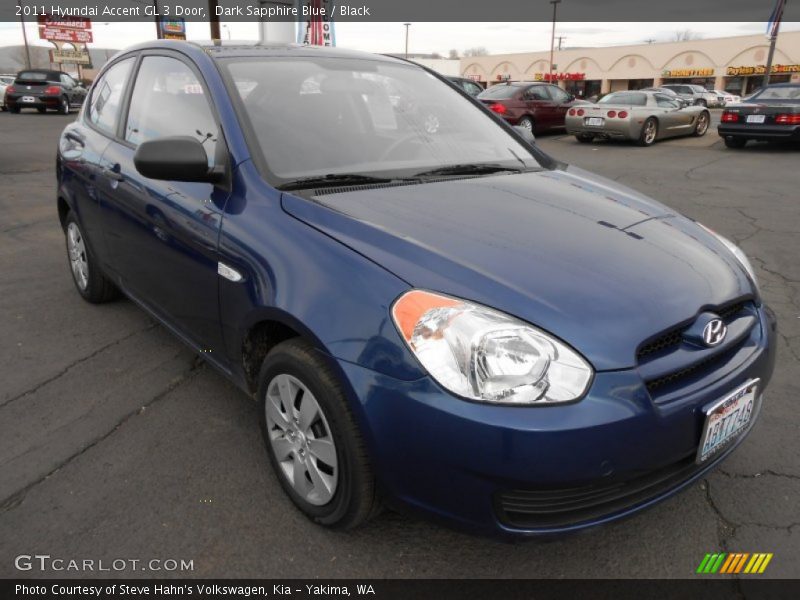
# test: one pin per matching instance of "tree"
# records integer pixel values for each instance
(453, 54)
(476, 51)
(436, 55)
(686, 35)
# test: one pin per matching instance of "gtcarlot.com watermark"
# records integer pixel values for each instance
(48, 563)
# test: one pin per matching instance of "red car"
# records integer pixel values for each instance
(534, 106)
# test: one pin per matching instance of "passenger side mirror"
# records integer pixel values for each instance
(177, 158)
(527, 134)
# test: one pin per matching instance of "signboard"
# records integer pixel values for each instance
(760, 69)
(75, 57)
(173, 30)
(316, 29)
(58, 34)
(688, 73)
(474, 77)
(559, 76)
(74, 23)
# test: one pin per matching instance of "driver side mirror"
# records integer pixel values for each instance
(177, 158)
(527, 134)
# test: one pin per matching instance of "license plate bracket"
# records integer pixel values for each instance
(28, 99)
(756, 118)
(726, 419)
(594, 121)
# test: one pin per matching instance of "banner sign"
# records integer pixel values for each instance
(688, 73)
(75, 57)
(58, 34)
(73, 23)
(559, 76)
(316, 26)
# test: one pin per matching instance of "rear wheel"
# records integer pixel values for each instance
(649, 132)
(584, 138)
(92, 285)
(41, 109)
(701, 127)
(63, 106)
(14, 110)
(312, 439)
(701, 102)
(526, 123)
(735, 142)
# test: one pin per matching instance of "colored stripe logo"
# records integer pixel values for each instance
(734, 563)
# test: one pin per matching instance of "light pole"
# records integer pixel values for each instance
(24, 37)
(555, 4)
(407, 26)
(227, 30)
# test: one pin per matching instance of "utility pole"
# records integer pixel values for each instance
(774, 27)
(159, 33)
(561, 38)
(407, 26)
(24, 37)
(214, 20)
(555, 4)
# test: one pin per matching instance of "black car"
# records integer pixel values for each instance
(44, 89)
(771, 114)
(469, 86)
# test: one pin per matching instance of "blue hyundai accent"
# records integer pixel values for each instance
(431, 311)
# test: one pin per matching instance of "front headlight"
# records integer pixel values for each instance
(482, 354)
(736, 251)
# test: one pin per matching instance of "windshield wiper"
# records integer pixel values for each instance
(332, 180)
(468, 169)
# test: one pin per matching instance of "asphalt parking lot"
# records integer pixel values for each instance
(117, 442)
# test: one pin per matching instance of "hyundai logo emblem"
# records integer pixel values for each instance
(714, 332)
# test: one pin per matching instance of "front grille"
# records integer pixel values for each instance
(674, 336)
(549, 508)
(654, 385)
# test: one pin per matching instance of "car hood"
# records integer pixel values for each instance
(596, 264)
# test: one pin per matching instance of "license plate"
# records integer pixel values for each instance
(593, 121)
(28, 99)
(726, 419)
(755, 118)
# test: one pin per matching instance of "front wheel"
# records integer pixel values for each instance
(735, 142)
(92, 285)
(649, 132)
(701, 127)
(312, 439)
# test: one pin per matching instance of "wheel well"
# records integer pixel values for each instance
(63, 210)
(262, 338)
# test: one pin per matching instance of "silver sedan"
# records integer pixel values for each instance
(642, 116)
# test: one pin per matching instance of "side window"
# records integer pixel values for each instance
(107, 96)
(537, 92)
(473, 88)
(67, 81)
(168, 100)
(665, 101)
(558, 94)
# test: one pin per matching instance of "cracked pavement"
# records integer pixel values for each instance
(116, 442)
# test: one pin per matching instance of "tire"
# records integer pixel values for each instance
(14, 110)
(527, 123)
(703, 121)
(649, 132)
(584, 138)
(702, 103)
(341, 495)
(63, 106)
(91, 283)
(735, 142)
(41, 110)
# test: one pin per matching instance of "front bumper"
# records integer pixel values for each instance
(452, 459)
(764, 133)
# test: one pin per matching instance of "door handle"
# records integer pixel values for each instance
(113, 173)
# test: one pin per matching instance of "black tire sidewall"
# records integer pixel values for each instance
(291, 358)
(63, 107)
(97, 287)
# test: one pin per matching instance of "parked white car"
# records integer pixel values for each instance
(5, 81)
(727, 97)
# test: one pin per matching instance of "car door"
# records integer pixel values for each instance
(69, 85)
(539, 104)
(673, 120)
(163, 235)
(82, 146)
(562, 102)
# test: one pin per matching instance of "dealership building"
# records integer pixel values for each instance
(733, 64)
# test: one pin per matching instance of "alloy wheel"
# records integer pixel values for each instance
(702, 124)
(77, 256)
(301, 440)
(650, 132)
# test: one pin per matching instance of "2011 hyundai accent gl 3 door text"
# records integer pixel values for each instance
(431, 311)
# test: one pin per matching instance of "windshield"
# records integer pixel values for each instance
(499, 91)
(330, 116)
(787, 93)
(626, 98)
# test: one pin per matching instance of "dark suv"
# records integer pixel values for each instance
(533, 106)
(43, 89)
